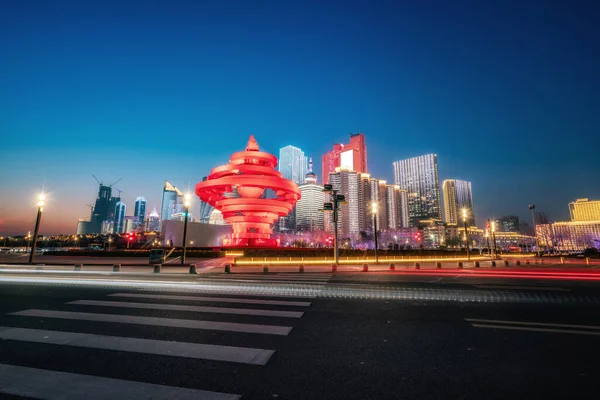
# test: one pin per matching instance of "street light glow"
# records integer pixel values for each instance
(374, 207)
(464, 213)
(41, 199)
(493, 226)
(188, 199)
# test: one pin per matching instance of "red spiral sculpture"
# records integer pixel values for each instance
(250, 215)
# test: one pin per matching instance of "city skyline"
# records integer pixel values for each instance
(500, 120)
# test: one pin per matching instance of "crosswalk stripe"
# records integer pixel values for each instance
(155, 321)
(243, 355)
(214, 299)
(178, 307)
(54, 385)
(274, 277)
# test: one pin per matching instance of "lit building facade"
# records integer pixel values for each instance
(585, 210)
(120, 211)
(153, 221)
(346, 182)
(458, 196)
(419, 177)
(397, 207)
(351, 156)
(569, 235)
(308, 214)
(172, 201)
(292, 163)
(139, 211)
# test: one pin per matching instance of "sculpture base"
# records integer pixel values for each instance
(230, 242)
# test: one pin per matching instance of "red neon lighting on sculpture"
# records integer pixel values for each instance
(251, 217)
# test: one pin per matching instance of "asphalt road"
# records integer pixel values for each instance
(291, 336)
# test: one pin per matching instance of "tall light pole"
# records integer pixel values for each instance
(532, 207)
(37, 226)
(186, 205)
(464, 214)
(487, 238)
(494, 238)
(374, 211)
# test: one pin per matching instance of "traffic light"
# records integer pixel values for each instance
(340, 198)
(327, 206)
(327, 188)
(418, 236)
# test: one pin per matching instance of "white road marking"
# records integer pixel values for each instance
(243, 355)
(179, 307)
(532, 323)
(509, 287)
(214, 299)
(54, 385)
(519, 328)
(170, 322)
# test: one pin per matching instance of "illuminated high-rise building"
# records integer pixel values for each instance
(153, 221)
(351, 157)
(396, 207)
(585, 210)
(119, 224)
(292, 164)
(458, 196)
(419, 177)
(347, 183)
(139, 211)
(172, 201)
(308, 214)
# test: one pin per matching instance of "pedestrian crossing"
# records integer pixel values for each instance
(131, 325)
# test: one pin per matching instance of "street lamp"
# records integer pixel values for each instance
(487, 238)
(494, 238)
(37, 225)
(464, 214)
(186, 205)
(374, 211)
(109, 242)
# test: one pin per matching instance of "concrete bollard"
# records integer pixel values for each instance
(417, 265)
(438, 265)
(300, 268)
(227, 268)
(477, 264)
(459, 264)
(157, 268)
(392, 267)
(527, 262)
(365, 267)
(78, 267)
(493, 263)
(587, 261)
(518, 262)
(333, 268)
(562, 260)
(117, 268)
(506, 263)
(265, 269)
(193, 269)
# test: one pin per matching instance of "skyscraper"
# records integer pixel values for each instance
(153, 221)
(351, 156)
(292, 164)
(140, 211)
(172, 201)
(308, 214)
(397, 207)
(120, 211)
(419, 177)
(347, 183)
(458, 195)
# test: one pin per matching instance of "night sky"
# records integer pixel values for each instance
(506, 93)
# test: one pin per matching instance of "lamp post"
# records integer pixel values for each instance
(494, 238)
(37, 226)
(334, 207)
(374, 211)
(532, 207)
(187, 209)
(464, 214)
(487, 238)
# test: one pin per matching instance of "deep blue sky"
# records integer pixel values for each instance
(505, 92)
